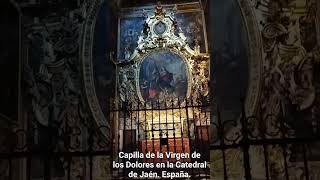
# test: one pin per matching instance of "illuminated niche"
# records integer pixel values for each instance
(164, 81)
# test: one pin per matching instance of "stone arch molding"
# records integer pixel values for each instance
(87, 67)
(255, 56)
(87, 55)
(255, 61)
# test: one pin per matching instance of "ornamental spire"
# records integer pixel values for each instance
(159, 9)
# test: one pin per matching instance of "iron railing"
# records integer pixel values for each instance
(56, 150)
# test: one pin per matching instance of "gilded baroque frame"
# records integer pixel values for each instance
(255, 59)
(172, 40)
(178, 8)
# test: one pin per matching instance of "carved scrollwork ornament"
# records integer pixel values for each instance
(290, 36)
(161, 34)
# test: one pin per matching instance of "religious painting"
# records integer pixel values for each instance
(163, 75)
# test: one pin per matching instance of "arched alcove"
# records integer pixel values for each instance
(236, 56)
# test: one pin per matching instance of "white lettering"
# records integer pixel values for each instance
(177, 156)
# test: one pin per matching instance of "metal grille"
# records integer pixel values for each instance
(281, 152)
(65, 150)
(178, 126)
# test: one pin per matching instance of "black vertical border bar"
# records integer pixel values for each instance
(28, 169)
(69, 168)
(10, 169)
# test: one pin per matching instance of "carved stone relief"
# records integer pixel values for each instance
(290, 57)
(52, 82)
(289, 82)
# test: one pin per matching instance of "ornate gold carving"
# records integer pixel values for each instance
(289, 31)
(170, 39)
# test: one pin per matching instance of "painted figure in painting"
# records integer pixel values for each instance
(161, 81)
(163, 75)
